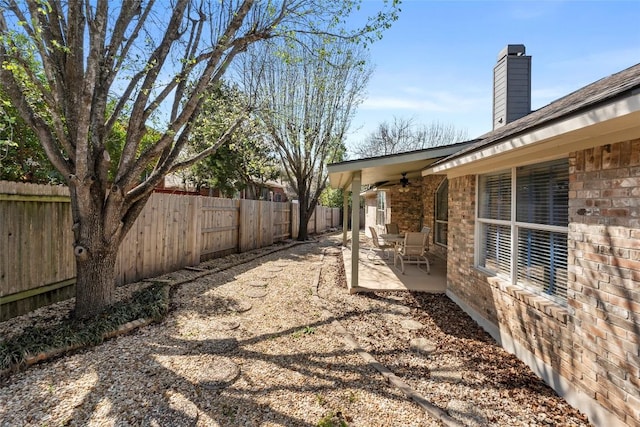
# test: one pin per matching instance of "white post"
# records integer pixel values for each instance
(355, 228)
(345, 216)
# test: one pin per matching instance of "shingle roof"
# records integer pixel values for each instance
(596, 93)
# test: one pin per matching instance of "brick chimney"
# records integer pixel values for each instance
(511, 85)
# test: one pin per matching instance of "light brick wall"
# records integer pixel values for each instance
(604, 273)
(594, 342)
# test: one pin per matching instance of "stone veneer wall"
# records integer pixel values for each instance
(591, 348)
(406, 208)
(416, 208)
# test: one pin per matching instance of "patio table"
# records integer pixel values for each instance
(396, 240)
(392, 238)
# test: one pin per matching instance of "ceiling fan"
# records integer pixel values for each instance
(404, 182)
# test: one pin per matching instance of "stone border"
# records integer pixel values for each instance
(47, 355)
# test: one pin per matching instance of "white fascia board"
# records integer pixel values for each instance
(393, 159)
(621, 118)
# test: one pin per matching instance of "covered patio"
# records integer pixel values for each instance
(378, 274)
(400, 176)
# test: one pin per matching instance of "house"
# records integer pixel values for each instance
(542, 232)
(268, 190)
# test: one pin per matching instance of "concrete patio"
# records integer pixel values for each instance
(379, 274)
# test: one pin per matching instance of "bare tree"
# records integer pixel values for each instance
(402, 135)
(142, 63)
(307, 97)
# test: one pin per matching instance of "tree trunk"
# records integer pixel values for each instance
(95, 280)
(98, 233)
(303, 231)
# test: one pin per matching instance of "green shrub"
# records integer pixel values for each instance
(151, 302)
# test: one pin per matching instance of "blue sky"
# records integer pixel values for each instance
(436, 62)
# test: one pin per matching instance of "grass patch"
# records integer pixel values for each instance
(333, 419)
(307, 330)
(151, 302)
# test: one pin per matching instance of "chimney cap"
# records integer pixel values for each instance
(512, 50)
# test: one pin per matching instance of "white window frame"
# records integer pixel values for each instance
(437, 235)
(381, 212)
(515, 227)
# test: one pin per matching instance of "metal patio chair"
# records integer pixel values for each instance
(378, 244)
(413, 251)
(392, 228)
(427, 231)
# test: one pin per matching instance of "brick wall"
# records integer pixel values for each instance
(462, 278)
(594, 342)
(604, 272)
(415, 208)
(406, 208)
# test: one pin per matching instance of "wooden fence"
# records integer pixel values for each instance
(37, 266)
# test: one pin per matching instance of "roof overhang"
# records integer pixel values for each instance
(613, 122)
(389, 168)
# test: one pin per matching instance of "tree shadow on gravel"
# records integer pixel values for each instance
(177, 399)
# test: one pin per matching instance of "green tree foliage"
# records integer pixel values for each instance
(21, 155)
(246, 162)
(143, 65)
(332, 197)
(307, 98)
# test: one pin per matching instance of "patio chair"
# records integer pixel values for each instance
(392, 228)
(382, 246)
(427, 231)
(413, 251)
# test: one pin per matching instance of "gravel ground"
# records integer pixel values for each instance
(252, 345)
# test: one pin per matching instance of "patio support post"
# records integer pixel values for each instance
(355, 227)
(345, 216)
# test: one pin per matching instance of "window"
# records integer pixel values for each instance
(381, 208)
(442, 213)
(523, 217)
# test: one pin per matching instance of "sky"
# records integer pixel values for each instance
(435, 64)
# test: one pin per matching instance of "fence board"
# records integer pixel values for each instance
(250, 225)
(219, 219)
(156, 244)
(281, 221)
(295, 220)
(171, 232)
(36, 238)
(266, 223)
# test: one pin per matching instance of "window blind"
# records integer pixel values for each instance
(539, 228)
(542, 194)
(495, 196)
(496, 254)
(542, 261)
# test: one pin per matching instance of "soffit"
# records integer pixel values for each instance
(389, 168)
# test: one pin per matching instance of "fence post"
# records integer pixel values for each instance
(295, 220)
